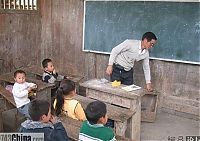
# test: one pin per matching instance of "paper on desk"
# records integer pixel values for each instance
(103, 80)
(131, 88)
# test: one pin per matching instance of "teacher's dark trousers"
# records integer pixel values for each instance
(119, 74)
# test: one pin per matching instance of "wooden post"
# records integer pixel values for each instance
(135, 121)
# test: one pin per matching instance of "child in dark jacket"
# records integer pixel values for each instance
(50, 75)
(43, 122)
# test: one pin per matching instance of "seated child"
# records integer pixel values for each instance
(93, 128)
(65, 103)
(49, 74)
(43, 122)
(20, 91)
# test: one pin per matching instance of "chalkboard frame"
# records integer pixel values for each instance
(108, 53)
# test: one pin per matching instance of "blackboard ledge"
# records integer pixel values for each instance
(153, 58)
(173, 60)
(98, 52)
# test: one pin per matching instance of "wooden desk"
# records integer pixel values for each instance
(103, 91)
(38, 72)
(43, 89)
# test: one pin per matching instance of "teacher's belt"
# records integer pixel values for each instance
(118, 66)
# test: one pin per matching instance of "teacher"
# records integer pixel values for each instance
(123, 56)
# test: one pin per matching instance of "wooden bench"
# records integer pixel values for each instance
(1, 122)
(9, 120)
(118, 114)
(8, 98)
(12, 120)
(149, 105)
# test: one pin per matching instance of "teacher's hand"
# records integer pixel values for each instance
(148, 87)
(109, 69)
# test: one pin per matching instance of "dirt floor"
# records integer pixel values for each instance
(168, 127)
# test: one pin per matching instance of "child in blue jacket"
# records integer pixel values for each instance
(43, 122)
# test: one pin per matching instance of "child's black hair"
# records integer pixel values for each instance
(94, 111)
(45, 62)
(19, 71)
(38, 108)
(66, 86)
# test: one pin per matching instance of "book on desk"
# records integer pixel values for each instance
(131, 88)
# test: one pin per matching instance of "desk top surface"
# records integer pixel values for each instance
(8, 77)
(98, 84)
(39, 71)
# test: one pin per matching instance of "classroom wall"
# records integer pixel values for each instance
(19, 40)
(62, 34)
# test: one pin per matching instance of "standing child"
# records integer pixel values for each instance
(20, 91)
(43, 122)
(65, 103)
(93, 129)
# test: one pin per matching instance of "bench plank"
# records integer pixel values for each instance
(12, 120)
(7, 95)
(114, 112)
(72, 126)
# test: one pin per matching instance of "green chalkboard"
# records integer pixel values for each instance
(176, 24)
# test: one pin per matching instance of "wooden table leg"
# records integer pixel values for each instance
(135, 121)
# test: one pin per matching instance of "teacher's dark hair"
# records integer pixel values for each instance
(149, 36)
